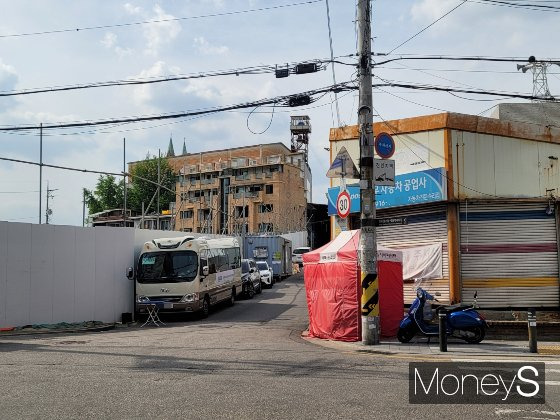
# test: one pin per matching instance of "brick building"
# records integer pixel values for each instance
(255, 189)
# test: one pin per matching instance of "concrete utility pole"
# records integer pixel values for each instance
(158, 185)
(124, 181)
(48, 212)
(40, 171)
(367, 250)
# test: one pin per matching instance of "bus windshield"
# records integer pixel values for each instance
(168, 267)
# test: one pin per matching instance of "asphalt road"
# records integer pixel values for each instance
(247, 361)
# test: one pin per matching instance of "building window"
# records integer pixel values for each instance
(269, 189)
(266, 227)
(186, 214)
(241, 211)
(266, 208)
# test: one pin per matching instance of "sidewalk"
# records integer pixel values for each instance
(419, 348)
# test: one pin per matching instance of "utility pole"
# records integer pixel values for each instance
(124, 182)
(40, 171)
(48, 211)
(367, 249)
(158, 185)
(83, 207)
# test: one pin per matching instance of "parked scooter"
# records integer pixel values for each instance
(461, 321)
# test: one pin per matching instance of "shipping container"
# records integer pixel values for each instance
(274, 249)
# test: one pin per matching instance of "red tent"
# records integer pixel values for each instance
(332, 283)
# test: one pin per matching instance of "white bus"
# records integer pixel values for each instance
(188, 275)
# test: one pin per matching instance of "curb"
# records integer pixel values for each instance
(347, 347)
(31, 331)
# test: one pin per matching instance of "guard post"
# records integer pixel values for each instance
(442, 318)
(532, 325)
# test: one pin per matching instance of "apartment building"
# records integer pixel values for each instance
(253, 189)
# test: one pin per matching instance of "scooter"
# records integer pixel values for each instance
(461, 321)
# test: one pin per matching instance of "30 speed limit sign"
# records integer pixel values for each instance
(343, 204)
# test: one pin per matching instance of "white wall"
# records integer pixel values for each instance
(298, 238)
(51, 274)
(504, 166)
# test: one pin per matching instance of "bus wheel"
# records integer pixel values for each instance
(231, 301)
(205, 311)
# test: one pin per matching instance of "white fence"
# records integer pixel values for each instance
(51, 274)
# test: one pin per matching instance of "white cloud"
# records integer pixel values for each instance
(431, 9)
(161, 33)
(204, 47)
(8, 81)
(131, 9)
(109, 40)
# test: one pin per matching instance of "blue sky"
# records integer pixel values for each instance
(276, 36)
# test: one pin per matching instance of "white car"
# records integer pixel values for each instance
(266, 273)
(297, 255)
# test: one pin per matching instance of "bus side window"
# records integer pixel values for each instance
(221, 259)
(203, 259)
(234, 257)
(212, 261)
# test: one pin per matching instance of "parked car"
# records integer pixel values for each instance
(265, 271)
(297, 255)
(250, 278)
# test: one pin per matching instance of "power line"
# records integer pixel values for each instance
(255, 70)
(526, 6)
(430, 25)
(171, 78)
(457, 70)
(17, 192)
(458, 90)
(148, 22)
(285, 101)
(457, 58)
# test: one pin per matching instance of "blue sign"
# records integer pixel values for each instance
(413, 188)
(384, 145)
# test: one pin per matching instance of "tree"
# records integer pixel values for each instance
(142, 191)
(108, 194)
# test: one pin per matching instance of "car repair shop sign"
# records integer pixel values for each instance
(413, 188)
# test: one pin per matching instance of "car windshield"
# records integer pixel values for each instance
(244, 266)
(262, 265)
(167, 267)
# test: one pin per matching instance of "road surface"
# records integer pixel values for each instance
(244, 362)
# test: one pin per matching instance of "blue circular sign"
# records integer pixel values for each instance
(384, 145)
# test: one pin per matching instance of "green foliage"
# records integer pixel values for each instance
(108, 194)
(142, 190)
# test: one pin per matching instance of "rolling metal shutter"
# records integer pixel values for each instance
(427, 225)
(509, 254)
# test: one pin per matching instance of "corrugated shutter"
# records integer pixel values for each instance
(509, 254)
(426, 225)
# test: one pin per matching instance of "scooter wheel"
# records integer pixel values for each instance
(479, 333)
(405, 336)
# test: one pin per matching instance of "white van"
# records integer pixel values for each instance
(188, 275)
(297, 255)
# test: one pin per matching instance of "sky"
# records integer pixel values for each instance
(40, 47)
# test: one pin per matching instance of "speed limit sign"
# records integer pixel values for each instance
(343, 204)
